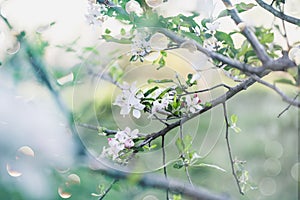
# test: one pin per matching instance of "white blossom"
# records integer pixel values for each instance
(129, 100)
(140, 46)
(122, 140)
(133, 6)
(213, 26)
(193, 103)
(195, 77)
(154, 3)
(95, 14)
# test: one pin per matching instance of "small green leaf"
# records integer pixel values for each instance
(285, 81)
(150, 90)
(176, 197)
(178, 164)
(180, 145)
(209, 165)
(242, 7)
(160, 81)
(234, 118)
(122, 31)
(107, 31)
(163, 53)
(224, 37)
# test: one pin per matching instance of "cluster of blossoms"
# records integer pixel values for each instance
(95, 13)
(212, 43)
(158, 102)
(130, 99)
(140, 46)
(121, 141)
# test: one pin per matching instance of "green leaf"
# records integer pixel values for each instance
(285, 81)
(187, 140)
(267, 38)
(223, 13)
(107, 31)
(160, 81)
(234, 118)
(122, 31)
(176, 197)
(192, 36)
(242, 7)
(180, 145)
(178, 164)
(109, 38)
(224, 37)
(236, 129)
(209, 165)
(150, 90)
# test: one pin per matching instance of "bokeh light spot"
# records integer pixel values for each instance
(272, 166)
(267, 186)
(12, 172)
(63, 194)
(295, 171)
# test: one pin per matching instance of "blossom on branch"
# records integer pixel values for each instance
(121, 141)
(133, 6)
(95, 13)
(193, 103)
(140, 46)
(130, 99)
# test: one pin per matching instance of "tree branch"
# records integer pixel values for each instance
(155, 181)
(278, 14)
(98, 129)
(229, 149)
(108, 189)
(278, 91)
(257, 47)
(214, 55)
(221, 99)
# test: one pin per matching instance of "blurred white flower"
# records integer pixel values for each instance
(294, 54)
(193, 103)
(122, 140)
(213, 26)
(130, 100)
(140, 46)
(133, 6)
(195, 77)
(95, 14)
(158, 42)
(154, 3)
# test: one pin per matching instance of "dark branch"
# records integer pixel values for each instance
(288, 107)
(223, 98)
(108, 189)
(155, 181)
(257, 47)
(279, 14)
(278, 91)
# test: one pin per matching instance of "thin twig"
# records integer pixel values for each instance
(183, 156)
(207, 90)
(278, 14)
(278, 91)
(284, 29)
(98, 129)
(229, 149)
(108, 189)
(288, 107)
(164, 163)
